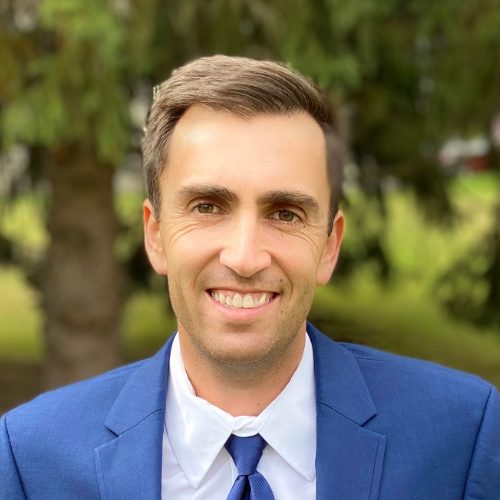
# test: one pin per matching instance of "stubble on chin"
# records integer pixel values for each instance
(247, 363)
(254, 357)
(219, 348)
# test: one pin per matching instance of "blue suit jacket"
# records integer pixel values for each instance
(388, 428)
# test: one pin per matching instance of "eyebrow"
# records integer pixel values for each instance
(297, 198)
(206, 191)
(278, 197)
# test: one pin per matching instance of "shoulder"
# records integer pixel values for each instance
(421, 385)
(375, 363)
(82, 403)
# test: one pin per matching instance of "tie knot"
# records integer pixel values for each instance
(246, 452)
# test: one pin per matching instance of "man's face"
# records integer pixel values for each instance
(243, 232)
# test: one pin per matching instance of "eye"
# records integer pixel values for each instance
(207, 208)
(286, 216)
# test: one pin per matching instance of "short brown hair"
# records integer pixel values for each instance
(245, 88)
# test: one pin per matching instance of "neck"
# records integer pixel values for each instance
(241, 392)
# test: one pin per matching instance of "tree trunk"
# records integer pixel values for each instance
(81, 289)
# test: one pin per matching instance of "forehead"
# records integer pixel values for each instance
(254, 154)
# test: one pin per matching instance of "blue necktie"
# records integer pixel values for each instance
(246, 453)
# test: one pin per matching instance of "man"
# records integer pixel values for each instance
(247, 400)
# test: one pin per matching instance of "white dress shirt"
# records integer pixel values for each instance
(195, 464)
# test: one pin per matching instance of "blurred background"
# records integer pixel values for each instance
(417, 85)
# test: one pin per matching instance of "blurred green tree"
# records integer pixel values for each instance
(406, 76)
(67, 94)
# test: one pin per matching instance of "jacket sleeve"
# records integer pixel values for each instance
(11, 487)
(483, 482)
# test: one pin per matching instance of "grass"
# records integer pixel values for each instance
(146, 325)
(20, 319)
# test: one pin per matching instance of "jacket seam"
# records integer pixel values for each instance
(142, 420)
(21, 482)
(340, 414)
(475, 442)
(374, 467)
(105, 487)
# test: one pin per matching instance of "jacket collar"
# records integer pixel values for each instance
(349, 457)
(143, 394)
(340, 385)
(129, 467)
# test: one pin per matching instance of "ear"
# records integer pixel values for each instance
(153, 240)
(331, 251)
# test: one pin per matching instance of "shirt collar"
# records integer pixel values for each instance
(197, 430)
(296, 407)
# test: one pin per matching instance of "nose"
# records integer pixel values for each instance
(243, 250)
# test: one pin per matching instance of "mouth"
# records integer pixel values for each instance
(233, 299)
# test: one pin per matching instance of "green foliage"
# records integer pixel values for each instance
(76, 89)
(412, 73)
(20, 337)
(329, 40)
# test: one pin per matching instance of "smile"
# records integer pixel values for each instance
(236, 300)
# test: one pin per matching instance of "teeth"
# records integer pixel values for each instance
(237, 301)
(248, 301)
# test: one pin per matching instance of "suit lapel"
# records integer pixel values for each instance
(129, 466)
(349, 458)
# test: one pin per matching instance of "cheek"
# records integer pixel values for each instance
(186, 247)
(177, 231)
(299, 257)
(304, 248)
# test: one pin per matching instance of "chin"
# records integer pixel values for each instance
(235, 349)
